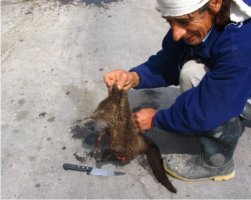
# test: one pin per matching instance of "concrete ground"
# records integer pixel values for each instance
(53, 55)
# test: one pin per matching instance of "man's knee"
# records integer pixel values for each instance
(191, 74)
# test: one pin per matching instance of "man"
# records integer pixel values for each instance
(208, 52)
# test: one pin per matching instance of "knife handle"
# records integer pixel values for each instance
(68, 166)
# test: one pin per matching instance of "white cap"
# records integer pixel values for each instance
(176, 8)
(239, 11)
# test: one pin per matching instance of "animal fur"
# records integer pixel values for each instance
(114, 118)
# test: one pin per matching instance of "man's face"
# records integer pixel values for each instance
(192, 28)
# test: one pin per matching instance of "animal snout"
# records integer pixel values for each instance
(100, 125)
(93, 116)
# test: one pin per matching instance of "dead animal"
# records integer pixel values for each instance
(113, 118)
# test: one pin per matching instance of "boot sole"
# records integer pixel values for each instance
(214, 178)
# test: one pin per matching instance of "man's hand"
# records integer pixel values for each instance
(125, 80)
(143, 119)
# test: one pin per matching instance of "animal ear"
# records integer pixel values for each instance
(116, 92)
(115, 86)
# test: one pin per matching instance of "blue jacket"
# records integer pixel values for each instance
(223, 91)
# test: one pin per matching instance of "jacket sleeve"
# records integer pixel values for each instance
(161, 69)
(221, 94)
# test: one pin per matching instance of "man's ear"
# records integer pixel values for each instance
(215, 6)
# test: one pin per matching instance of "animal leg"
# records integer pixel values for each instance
(107, 154)
(100, 139)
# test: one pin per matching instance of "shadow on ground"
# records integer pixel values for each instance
(98, 3)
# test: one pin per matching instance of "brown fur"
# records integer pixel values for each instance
(114, 118)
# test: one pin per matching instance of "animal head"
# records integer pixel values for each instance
(108, 109)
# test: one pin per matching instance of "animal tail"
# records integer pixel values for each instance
(156, 163)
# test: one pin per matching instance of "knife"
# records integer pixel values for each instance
(92, 170)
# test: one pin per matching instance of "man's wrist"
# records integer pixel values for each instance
(135, 79)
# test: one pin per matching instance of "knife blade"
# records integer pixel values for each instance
(92, 170)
